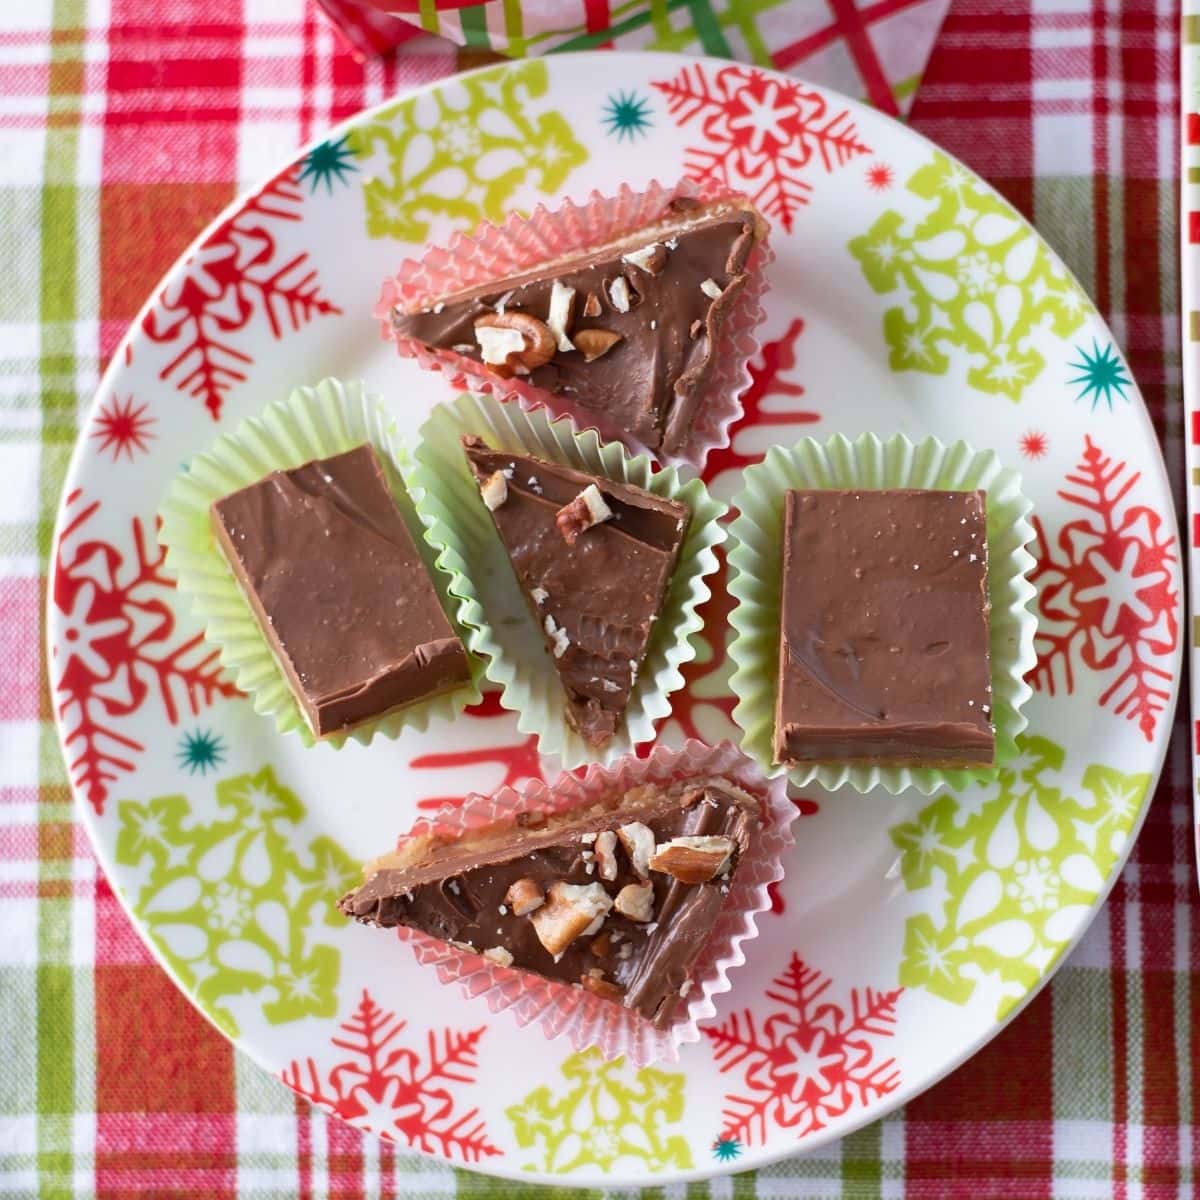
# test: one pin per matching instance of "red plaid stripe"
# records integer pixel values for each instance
(999, 92)
(194, 100)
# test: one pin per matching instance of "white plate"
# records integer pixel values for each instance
(905, 296)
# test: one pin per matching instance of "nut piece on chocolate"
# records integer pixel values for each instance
(594, 560)
(630, 939)
(883, 649)
(651, 305)
(333, 576)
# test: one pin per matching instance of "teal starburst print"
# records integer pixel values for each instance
(1101, 375)
(200, 752)
(726, 1149)
(626, 116)
(327, 162)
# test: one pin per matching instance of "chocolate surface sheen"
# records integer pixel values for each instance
(595, 598)
(459, 891)
(648, 383)
(327, 563)
(884, 629)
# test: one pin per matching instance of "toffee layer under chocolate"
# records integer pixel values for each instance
(649, 381)
(460, 891)
(883, 651)
(331, 571)
(595, 598)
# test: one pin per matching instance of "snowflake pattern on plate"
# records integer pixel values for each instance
(608, 1117)
(809, 1060)
(518, 759)
(402, 1089)
(968, 279)
(1001, 875)
(118, 649)
(703, 708)
(329, 162)
(1033, 444)
(626, 116)
(461, 152)
(1101, 375)
(200, 751)
(1106, 597)
(760, 134)
(236, 905)
(239, 276)
(122, 427)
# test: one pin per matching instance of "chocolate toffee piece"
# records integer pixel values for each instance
(594, 559)
(620, 897)
(883, 649)
(627, 329)
(326, 562)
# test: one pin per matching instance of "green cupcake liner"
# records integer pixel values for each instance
(490, 602)
(313, 422)
(755, 561)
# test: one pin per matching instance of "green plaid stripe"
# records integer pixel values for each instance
(62, 1078)
(47, 1080)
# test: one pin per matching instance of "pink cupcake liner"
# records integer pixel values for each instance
(583, 1019)
(495, 251)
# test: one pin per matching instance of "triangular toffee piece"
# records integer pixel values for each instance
(627, 330)
(594, 560)
(619, 897)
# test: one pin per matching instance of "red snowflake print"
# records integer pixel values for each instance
(234, 278)
(518, 760)
(118, 649)
(1034, 444)
(880, 177)
(123, 427)
(398, 1092)
(705, 697)
(809, 1061)
(761, 404)
(1105, 593)
(759, 134)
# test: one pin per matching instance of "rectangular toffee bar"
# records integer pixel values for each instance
(883, 649)
(331, 571)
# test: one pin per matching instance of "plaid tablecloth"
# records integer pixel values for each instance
(122, 130)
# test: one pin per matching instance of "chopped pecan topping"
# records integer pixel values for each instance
(606, 855)
(635, 901)
(558, 320)
(619, 294)
(650, 259)
(586, 510)
(595, 982)
(693, 859)
(524, 896)
(639, 845)
(595, 343)
(494, 490)
(514, 343)
(592, 306)
(570, 910)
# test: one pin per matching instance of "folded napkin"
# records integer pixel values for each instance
(875, 51)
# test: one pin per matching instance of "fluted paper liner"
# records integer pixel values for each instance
(495, 252)
(490, 601)
(756, 559)
(571, 1012)
(313, 422)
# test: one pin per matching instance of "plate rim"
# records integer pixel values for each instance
(885, 1106)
